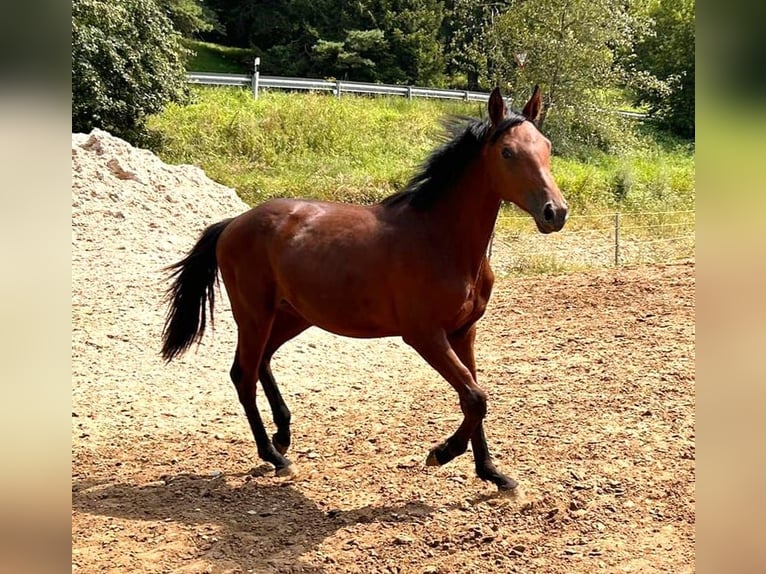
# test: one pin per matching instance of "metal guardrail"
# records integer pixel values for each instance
(215, 79)
(337, 87)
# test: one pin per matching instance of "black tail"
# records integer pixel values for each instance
(195, 279)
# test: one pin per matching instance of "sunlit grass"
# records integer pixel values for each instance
(359, 149)
(303, 145)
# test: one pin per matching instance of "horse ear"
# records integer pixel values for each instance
(534, 106)
(496, 107)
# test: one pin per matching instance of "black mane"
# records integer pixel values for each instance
(448, 162)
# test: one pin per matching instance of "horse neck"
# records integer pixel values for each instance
(467, 214)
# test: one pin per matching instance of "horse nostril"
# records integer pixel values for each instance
(548, 213)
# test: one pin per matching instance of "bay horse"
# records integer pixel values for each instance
(413, 265)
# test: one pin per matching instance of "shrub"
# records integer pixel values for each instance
(127, 63)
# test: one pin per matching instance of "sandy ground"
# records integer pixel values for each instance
(591, 384)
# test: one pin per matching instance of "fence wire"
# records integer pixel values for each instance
(593, 240)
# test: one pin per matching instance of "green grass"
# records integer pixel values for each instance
(654, 176)
(208, 57)
(302, 145)
(540, 264)
(362, 149)
(359, 149)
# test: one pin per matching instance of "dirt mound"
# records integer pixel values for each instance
(132, 215)
(130, 211)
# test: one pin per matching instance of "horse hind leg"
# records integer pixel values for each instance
(286, 326)
(244, 375)
(280, 413)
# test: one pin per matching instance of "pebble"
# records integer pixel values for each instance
(571, 551)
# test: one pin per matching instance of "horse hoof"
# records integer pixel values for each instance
(288, 471)
(508, 487)
(280, 448)
(432, 460)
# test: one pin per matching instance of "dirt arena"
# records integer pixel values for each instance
(591, 384)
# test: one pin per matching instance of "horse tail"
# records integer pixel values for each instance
(195, 278)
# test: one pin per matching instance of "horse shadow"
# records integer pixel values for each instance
(253, 525)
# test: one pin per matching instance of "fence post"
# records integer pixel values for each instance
(337, 88)
(409, 93)
(256, 77)
(617, 239)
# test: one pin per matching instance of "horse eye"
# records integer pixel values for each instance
(507, 154)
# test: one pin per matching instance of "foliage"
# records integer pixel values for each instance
(570, 51)
(663, 61)
(587, 55)
(209, 57)
(282, 32)
(189, 17)
(469, 44)
(354, 57)
(127, 63)
(413, 28)
(369, 40)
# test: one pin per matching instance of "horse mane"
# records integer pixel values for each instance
(447, 163)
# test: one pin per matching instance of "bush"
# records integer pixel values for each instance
(127, 63)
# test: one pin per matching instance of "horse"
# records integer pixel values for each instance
(413, 265)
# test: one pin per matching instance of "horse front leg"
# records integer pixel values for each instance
(462, 343)
(436, 350)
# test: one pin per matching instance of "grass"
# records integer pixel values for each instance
(539, 264)
(209, 57)
(302, 145)
(359, 149)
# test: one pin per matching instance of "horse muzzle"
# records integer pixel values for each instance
(552, 217)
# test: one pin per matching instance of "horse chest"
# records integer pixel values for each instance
(451, 304)
(466, 301)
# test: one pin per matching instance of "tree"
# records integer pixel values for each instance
(413, 30)
(663, 62)
(341, 38)
(189, 17)
(470, 47)
(127, 63)
(571, 50)
(355, 57)
(283, 32)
